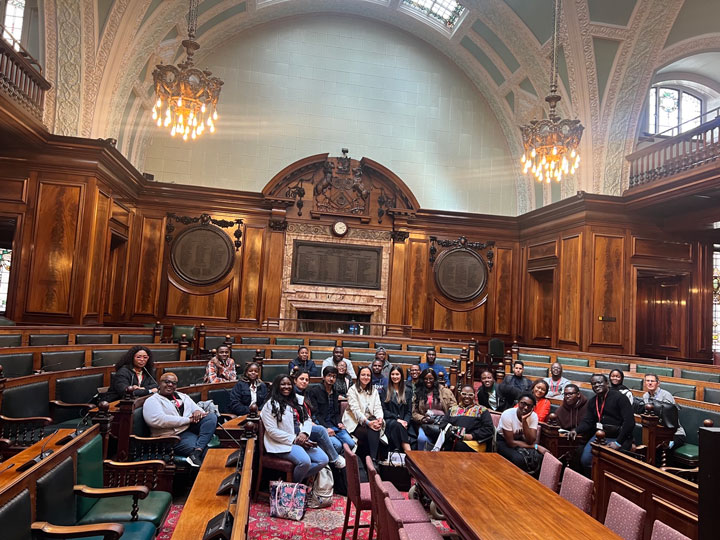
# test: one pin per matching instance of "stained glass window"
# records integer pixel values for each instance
(446, 11)
(716, 302)
(5, 260)
(13, 20)
(672, 111)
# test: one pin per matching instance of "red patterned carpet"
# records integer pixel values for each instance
(169, 526)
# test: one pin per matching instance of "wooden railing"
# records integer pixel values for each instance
(688, 150)
(352, 328)
(19, 80)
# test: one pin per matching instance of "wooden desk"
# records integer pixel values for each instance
(8, 476)
(484, 496)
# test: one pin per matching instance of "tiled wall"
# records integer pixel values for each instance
(311, 85)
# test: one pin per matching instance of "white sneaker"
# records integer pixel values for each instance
(339, 463)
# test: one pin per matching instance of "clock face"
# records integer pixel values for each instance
(340, 228)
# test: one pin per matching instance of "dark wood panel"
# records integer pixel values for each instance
(446, 320)
(608, 290)
(397, 291)
(661, 319)
(149, 266)
(184, 304)
(251, 273)
(272, 280)
(539, 308)
(13, 189)
(55, 238)
(99, 238)
(503, 292)
(569, 287)
(417, 285)
(120, 214)
(542, 250)
(657, 249)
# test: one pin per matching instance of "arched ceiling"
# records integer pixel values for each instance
(99, 55)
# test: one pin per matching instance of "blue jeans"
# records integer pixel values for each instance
(586, 457)
(423, 441)
(341, 436)
(307, 462)
(320, 436)
(197, 436)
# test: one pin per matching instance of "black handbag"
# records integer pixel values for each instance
(533, 460)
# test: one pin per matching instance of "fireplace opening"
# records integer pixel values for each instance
(326, 322)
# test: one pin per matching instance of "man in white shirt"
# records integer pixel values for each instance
(169, 412)
(556, 383)
(338, 356)
(655, 393)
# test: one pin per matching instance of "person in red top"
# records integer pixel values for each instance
(540, 389)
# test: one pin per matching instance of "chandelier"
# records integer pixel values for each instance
(186, 97)
(551, 144)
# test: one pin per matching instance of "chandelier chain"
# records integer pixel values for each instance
(192, 19)
(553, 67)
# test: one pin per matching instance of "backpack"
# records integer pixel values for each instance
(322, 491)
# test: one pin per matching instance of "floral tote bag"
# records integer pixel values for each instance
(287, 500)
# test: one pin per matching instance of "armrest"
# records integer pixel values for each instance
(9, 420)
(58, 403)
(228, 416)
(109, 531)
(98, 493)
(169, 439)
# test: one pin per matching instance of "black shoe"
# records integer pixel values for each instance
(194, 459)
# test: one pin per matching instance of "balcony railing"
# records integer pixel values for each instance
(19, 79)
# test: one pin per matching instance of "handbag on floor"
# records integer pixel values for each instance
(287, 500)
(322, 490)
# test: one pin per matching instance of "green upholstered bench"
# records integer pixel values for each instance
(16, 365)
(187, 375)
(270, 371)
(165, 355)
(10, 340)
(213, 342)
(93, 339)
(712, 395)
(287, 354)
(691, 419)
(632, 383)
(389, 346)
(396, 358)
(535, 371)
(322, 343)
(109, 357)
(361, 358)
(686, 391)
(700, 375)
(256, 340)
(418, 348)
(606, 364)
(48, 339)
(179, 329)
(355, 344)
(221, 398)
(451, 350)
(579, 362)
(577, 376)
(662, 371)
(322, 354)
(245, 356)
(16, 517)
(61, 360)
(526, 357)
(289, 341)
(136, 339)
(75, 390)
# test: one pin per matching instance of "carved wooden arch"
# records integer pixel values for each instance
(321, 187)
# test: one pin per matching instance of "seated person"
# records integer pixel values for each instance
(518, 429)
(287, 431)
(413, 377)
(133, 374)
(221, 368)
(397, 407)
(429, 363)
(517, 379)
(474, 418)
(248, 390)
(573, 407)
(303, 362)
(364, 414)
(343, 381)
(655, 393)
(381, 354)
(556, 382)
(378, 380)
(609, 411)
(497, 397)
(169, 412)
(326, 409)
(542, 405)
(338, 357)
(617, 378)
(431, 403)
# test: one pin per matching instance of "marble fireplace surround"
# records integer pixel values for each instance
(334, 299)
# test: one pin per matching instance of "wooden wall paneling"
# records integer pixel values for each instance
(570, 274)
(14, 189)
(700, 302)
(252, 269)
(447, 320)
(416, 295)
(540, 309)
(97, 257)
(56, 234)
(503, 292)
(149, 267)
(398, 276)
(608, 286)
(273, 272)
(198, 302)
(16, 274)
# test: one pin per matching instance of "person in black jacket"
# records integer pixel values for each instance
(248, 390)
(133, 374)
(396, 401)
(610, 411)
(326, 409)
(303, 363)
(497, 397)
(475, 419)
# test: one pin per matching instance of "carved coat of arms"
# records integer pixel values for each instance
(341, 189)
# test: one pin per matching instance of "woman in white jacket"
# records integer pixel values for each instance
(364, 414)
(287, 430)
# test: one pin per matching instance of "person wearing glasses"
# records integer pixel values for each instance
(474, 419)
(169, 412)
(572, 410)
(517, 434)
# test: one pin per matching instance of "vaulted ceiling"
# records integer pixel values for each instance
(100, 54)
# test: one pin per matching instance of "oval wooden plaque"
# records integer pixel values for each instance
(202, 255)
(460, 274)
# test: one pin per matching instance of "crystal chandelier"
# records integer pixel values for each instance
(551, 144)
(186, 97)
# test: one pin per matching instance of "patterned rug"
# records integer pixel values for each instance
(168, 527)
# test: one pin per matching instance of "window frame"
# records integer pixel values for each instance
(681, 90)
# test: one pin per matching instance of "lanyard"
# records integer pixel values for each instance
(600, 410)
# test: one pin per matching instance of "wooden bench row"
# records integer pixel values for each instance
(37, 335)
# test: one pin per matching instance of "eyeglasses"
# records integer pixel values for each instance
(467, 394)
(570, 393)
(169, 382)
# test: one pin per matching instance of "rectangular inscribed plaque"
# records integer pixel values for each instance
(336, 265)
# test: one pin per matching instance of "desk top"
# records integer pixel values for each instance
(485, 496)
(9, 467)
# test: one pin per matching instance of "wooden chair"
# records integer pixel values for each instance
(358, 495)
(624, 518)
(270, 462)
(393, 493)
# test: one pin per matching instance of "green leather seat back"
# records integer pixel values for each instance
(632, 383)
(322, 354)
(356, 344)
(444, 362)
(396, 358)
(289, 341)
(4, 321)
(389, 346)
(213, 342)
(27, 400)
(287, 354)
(576, 376)
(221, 397)
(78, 389)
(700, 375)
(179, 329)
(165, 355)
(525, 357)
(686, 391)
(61, 360)
(418, 348)
(712, 395)
(187, 375)
(587, 392)
(55, 500)
(567, 361)
(16, 365)
(270, 371)
(195, 396)
(322, 343)
(48, 339)
(361, 358)
(93, 339)
(16, 516)
(245, 356)
(89, 472)
(659, 370)
(607, 365)
(692, 418)
(136, 339)
(451, 350)
(139, 427)
(10, 340)
(107, 358)
(257, 340)
(536, 372)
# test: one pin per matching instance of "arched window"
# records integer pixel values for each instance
(672, 111)
(12, 12)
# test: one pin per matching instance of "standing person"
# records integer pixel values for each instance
(248, 390)
(343, 381)
(518, 429)
(655, 393)
(381, 354)
(379, 381)
(517, 379)
(608, 411)
(287, 431)
(573, 407)
(364, 414)
(303, 362)
(497, 397)
(413, 377)
(556, 381)
(539, 389)
(133, 374)
(326, 409)
(169, 412)
(338, 356)
(473, 417)
(430, 403)
(221, 367)
(430, 357)
(397, 408)
(617, 378)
